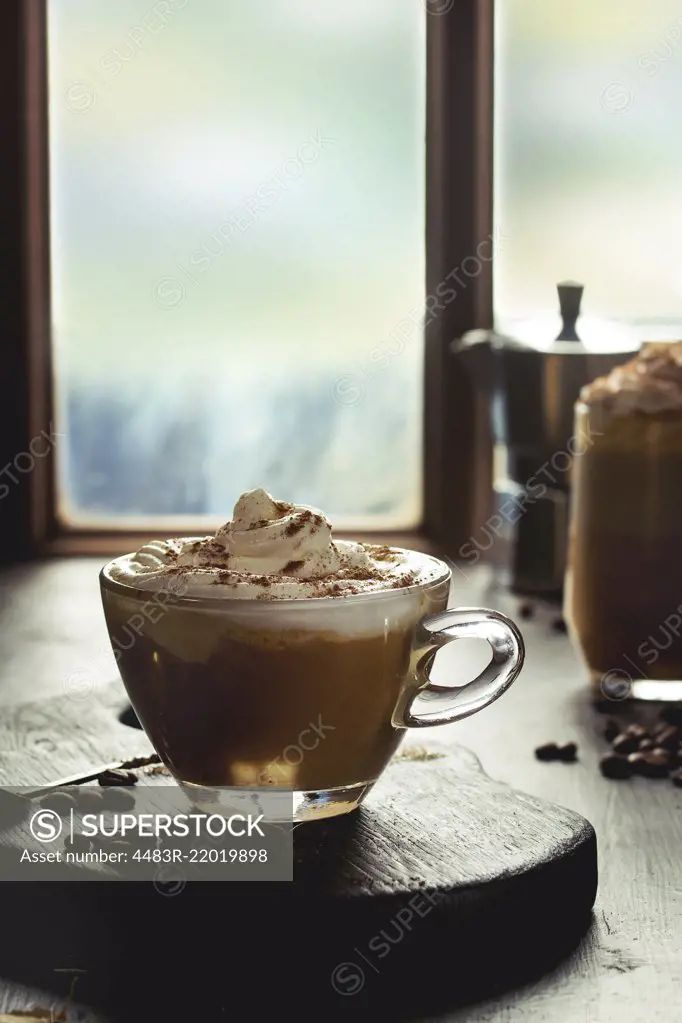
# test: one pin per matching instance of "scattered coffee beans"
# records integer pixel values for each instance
(567, 753)
(615, 767)
(652, 764)
(115, 777)
(652, 750)
(624, 744)
(636, 731)
(526, 610)
(659, 757)
(668, 737)
(550, 751)
(559, 625)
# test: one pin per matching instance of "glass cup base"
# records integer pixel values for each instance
(620, 686)
(277, 804)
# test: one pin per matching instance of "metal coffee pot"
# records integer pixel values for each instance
(532, 386)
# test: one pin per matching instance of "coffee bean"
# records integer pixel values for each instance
(655, 763)
(89, 799)
(646, 744)
(526, 610)
(669, 737)
(611, 730)
(651, 763)
(116, 777)
(653, 771)
(568, 753)
(677, 779)
(636, 762)
(559, 625)
(617, 768)
(117, 799)
(118, 845)
(625, 744)
(602, 706)
(60, 802)
(637, 731)
(550, 751)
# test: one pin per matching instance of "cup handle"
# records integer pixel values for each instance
(440, 705)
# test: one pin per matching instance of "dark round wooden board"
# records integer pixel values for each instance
(444, 887)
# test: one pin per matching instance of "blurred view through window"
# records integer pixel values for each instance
(588, 95)
(237, 246)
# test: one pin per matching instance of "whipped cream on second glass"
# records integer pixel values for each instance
(650, 382)
(272, 550)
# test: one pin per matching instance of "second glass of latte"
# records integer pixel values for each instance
(623, 594)
(271, 656)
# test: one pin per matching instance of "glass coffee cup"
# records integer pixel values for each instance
(312, 696)
(623, 598)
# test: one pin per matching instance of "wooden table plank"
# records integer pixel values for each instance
(56, 738)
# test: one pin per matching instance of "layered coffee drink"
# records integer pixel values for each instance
(270, 654)
(624, 602)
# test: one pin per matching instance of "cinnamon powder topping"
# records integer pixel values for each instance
(296, 525)
(292, 567)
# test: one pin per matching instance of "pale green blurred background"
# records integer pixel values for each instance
(589, 96)
(193, 365)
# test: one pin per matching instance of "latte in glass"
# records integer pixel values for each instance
(279, 657)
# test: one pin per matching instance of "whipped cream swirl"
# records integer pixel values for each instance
(651, 382)
(272, 550)
(265, 537)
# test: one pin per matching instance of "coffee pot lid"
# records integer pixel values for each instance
(564, 332)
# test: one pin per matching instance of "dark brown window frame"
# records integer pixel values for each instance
(458, 218)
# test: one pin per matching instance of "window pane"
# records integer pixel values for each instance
(587, 175)
(237, 247)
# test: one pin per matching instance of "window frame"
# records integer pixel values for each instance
(459, 166)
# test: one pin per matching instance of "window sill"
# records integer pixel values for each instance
(112, 545)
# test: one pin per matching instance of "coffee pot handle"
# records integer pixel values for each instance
(434, 704)
(570, 297)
